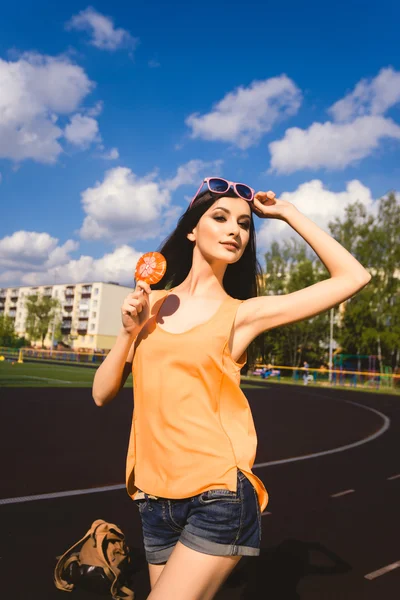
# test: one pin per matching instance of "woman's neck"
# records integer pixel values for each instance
(204, 278)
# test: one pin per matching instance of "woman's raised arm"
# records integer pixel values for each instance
(348, 276)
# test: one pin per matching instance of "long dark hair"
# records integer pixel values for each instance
(241, 279)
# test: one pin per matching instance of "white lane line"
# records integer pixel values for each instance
(382, 571)
(393, 477)
(385, 427)
(18, 500)
(344, 493)
(44, 378)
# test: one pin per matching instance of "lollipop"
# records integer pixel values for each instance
(151, 267)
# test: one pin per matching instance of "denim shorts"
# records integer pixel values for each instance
(218, 522)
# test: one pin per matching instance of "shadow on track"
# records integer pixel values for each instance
(278, 571)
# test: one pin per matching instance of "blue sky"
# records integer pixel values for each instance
(111, 114)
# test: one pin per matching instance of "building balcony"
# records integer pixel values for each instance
(82, 330)
(68, 307)
(83, 319)
(12, 315)
(14, 298)
(48, 291)
(65, 329)
(86, 294)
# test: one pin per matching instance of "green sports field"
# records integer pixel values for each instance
(40, 374)
(50, 375)
(45, 375)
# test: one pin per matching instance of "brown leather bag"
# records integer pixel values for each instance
(98, 562)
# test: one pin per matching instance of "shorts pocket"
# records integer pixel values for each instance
(211, 496)
(141, 504)
(258, 514)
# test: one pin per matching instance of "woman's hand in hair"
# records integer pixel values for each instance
(267, 206)
(135, 308)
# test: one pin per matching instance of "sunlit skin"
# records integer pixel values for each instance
(227, 220)
(194, 301)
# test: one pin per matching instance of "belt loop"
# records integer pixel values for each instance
(148, 503)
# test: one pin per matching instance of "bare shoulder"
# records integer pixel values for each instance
(155, 296)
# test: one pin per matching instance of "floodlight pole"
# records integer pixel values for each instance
(331, 345)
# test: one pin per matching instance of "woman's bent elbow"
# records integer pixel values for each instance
(100, 399)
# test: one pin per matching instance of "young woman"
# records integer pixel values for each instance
(193, 441)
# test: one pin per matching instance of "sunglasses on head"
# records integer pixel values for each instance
(217, 185)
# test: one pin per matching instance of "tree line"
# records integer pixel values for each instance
(42, 313)
(369, 322)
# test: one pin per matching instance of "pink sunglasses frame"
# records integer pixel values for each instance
(230, 184)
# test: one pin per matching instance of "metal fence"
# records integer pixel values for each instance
(88, 358)
(328, 377)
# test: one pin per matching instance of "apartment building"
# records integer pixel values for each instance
(89, 313)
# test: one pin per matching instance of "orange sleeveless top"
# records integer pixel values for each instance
(192, 425)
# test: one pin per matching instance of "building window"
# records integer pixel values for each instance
(92, 326)
(94, 303)
(96, 291)
(94, 315)
(91, 339)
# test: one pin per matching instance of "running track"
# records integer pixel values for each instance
(329, 459)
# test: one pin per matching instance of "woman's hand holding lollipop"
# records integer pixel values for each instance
(135, 309)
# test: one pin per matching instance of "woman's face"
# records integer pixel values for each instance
(223, 232)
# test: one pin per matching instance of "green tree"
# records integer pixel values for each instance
(371, 321)
(42, 310)
(291, 266)
(8, 337)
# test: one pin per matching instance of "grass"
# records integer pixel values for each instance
(44, 375)
(40, 374)
(395, 391)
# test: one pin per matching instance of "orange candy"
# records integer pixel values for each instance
(151, 267)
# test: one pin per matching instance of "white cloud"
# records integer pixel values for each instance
(357, 130)
(112, 154)
(125, 208)
(118, 266)
(35, 91)
(82, 130)
(319, 204)
(245, 114)
(96, 110)
(192, 172)
(330, 145)
(372, 97)
(30, 250)
(104, 35)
